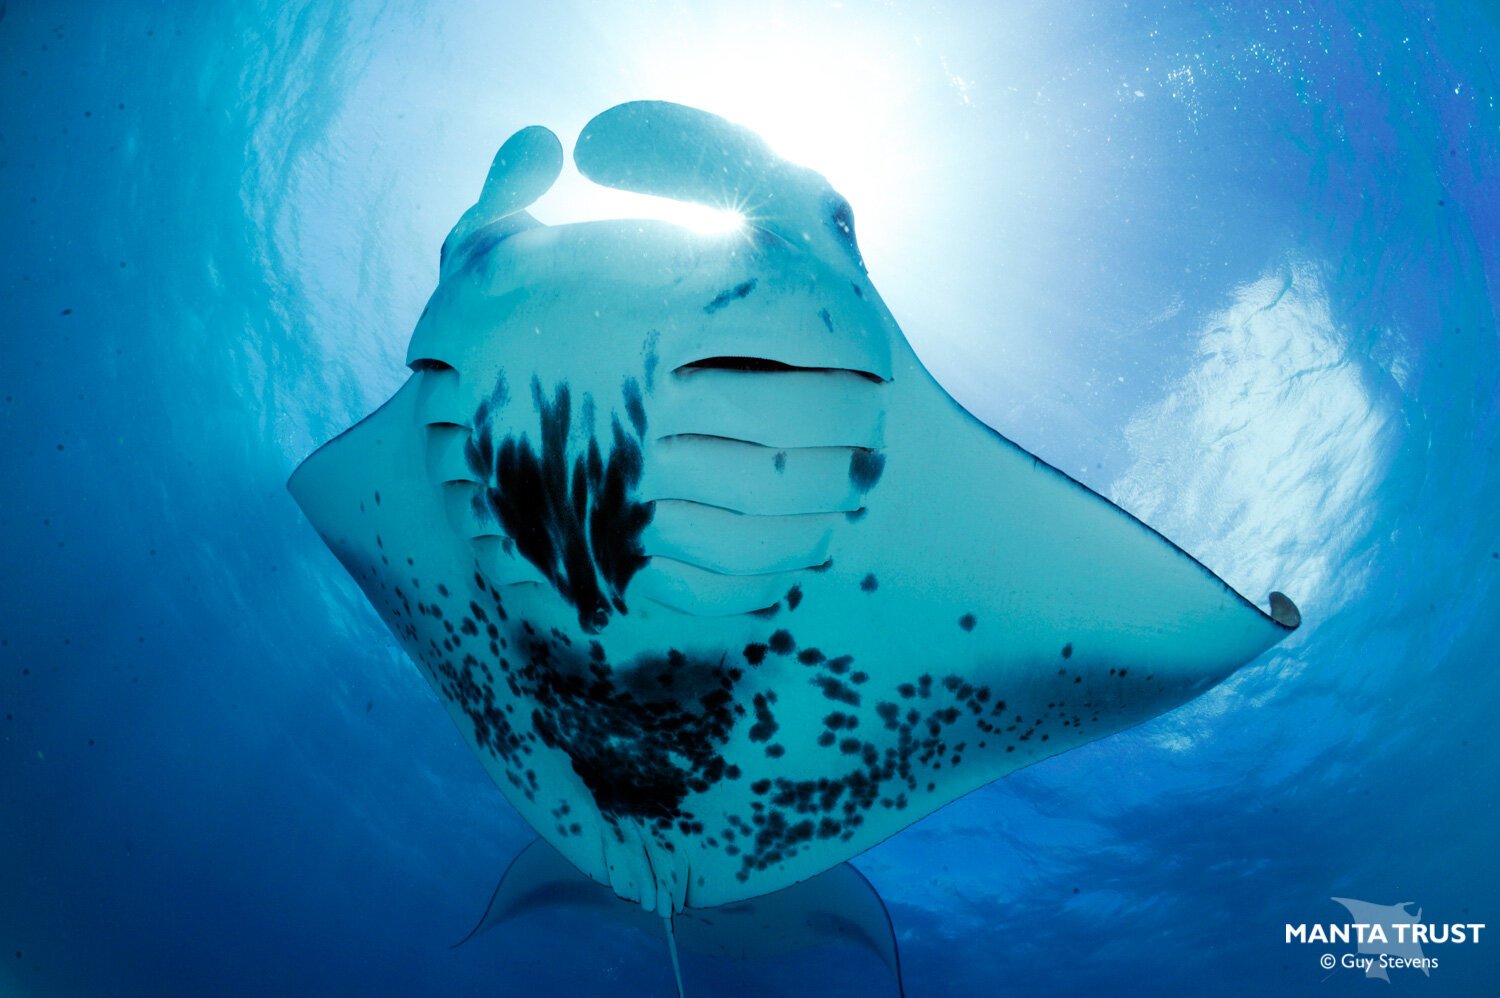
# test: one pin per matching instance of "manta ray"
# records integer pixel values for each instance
(718, 583)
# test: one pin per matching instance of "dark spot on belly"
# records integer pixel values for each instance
(633, 407)
(833, 689)
(1068, 650)
(651, 358)
(865, 468)
(869, 584)
(735, 293)
(967, 621)
(765, 722)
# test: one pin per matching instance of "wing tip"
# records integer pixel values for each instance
(1285, 612)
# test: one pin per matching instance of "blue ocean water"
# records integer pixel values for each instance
(1233, 267)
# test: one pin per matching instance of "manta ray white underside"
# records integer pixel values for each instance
(718, 583)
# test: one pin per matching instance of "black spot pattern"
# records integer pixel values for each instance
(796, 812)
(765, 722)
(646, 735)
(641, 738)
(578, 525)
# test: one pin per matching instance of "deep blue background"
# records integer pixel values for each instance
(1235, 268)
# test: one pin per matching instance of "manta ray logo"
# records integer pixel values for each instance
(1387, 936)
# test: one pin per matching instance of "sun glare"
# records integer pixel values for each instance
(841, 109)
(575, 199)
(698, 217)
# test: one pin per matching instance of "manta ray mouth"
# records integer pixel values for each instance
(763, 365)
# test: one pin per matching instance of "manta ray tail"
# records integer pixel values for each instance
(837, 907)
(672, 949)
